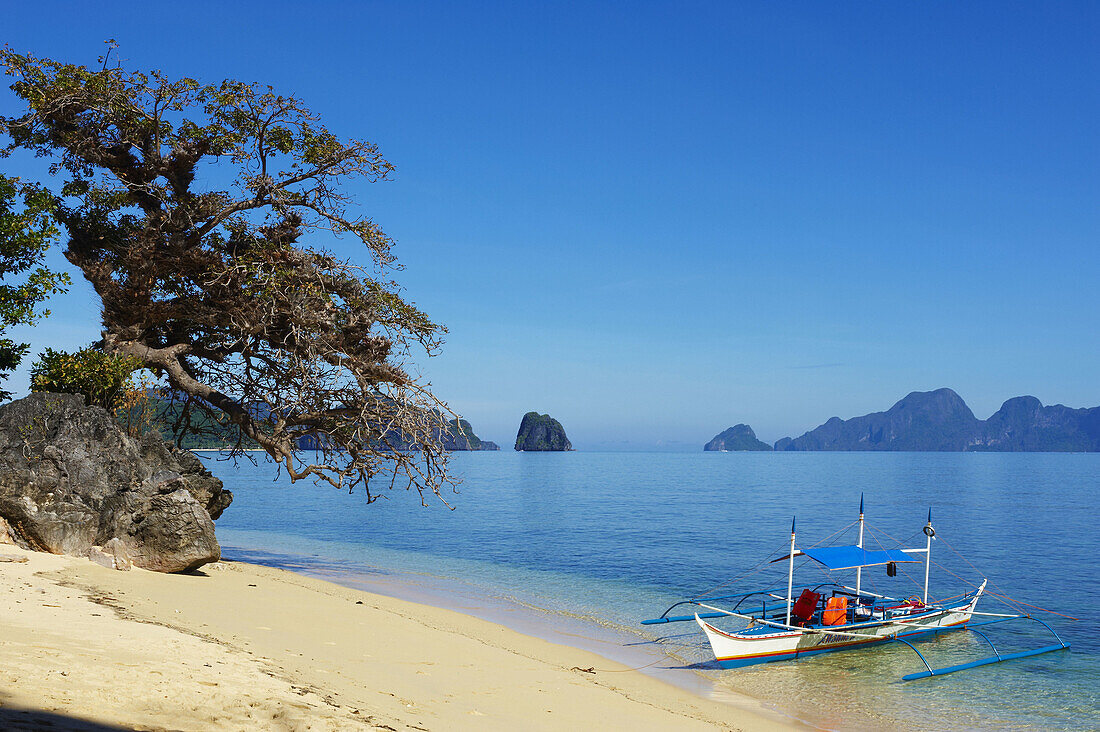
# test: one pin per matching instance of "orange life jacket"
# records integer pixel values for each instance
(836, 611)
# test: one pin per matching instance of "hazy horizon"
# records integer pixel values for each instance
(655, 222)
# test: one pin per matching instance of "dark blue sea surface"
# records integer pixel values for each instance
(603, 540)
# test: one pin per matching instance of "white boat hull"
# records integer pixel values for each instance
(762, 643)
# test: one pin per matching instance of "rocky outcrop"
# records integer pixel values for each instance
(737, 438)
(940, 421)
(541, 433)
(71, 479)
(457, 436)
(932, 420)
(1023, 424)
(112, 555)
(460, 436)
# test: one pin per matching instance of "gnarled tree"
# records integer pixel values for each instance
(188, 207)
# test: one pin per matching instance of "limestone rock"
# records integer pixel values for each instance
(104, 559)
(460, 436)
(457, 436)
(940, 421)
(923, 421)
(541, 433)
(6, 534)
(736, 438)
(112, 555)
(71, 479)
(1023, 424)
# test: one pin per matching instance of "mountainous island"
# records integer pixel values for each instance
(541, 433)
(459, 437)
(737, 438)
(940, 421)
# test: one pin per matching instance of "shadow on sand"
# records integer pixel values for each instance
(33, 719)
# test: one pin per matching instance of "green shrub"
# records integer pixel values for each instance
(100, 377)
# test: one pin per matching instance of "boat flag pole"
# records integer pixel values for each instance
(790, 574)
(859, 570)
(929, 532)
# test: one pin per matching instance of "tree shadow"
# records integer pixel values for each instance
(37, 721)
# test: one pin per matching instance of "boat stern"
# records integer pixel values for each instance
(755, 644)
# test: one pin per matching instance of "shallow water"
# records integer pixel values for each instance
(578, 547)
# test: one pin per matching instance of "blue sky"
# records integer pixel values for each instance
(656, 220)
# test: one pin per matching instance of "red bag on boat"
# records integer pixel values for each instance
(805, 606)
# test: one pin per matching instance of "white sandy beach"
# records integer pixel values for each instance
(239, 646)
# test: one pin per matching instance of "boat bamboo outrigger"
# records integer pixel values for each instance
(850, 617)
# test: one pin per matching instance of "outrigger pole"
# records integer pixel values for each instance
(926, 551)
(929, 532)
(859, 570)
(908, 621)
(790, 574)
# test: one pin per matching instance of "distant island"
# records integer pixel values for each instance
(737, 438)
(940, 421)
(458, 437)
(541, 433)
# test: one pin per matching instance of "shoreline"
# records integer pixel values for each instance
(239, 645)
(224, 449)
(582, 631)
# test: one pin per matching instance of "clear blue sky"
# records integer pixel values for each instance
(656, 220)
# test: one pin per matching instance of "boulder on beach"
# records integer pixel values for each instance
(71, 479)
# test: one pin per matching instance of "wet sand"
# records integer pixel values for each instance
(241, 646)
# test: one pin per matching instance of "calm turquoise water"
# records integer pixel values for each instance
(590, 543)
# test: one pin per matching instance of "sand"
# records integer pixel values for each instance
(244, 647)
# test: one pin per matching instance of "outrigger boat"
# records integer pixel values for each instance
(850, 617)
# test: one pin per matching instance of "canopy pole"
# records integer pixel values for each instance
(929, 532)
(790, 575)
(859, 570)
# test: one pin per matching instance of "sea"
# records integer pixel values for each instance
(579, 547)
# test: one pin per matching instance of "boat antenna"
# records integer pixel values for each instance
(859, 570)
(790, 574)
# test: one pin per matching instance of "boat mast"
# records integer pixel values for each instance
(859, 570)
(790, 574)
(929, 532)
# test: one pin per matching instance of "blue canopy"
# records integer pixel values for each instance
(850, 557)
